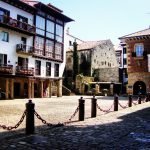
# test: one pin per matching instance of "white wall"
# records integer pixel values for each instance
(14, 11)
(9, 48)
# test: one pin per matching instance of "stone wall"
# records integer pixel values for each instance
(134, 77)
(107, 74)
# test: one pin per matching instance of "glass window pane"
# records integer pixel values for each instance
(40, 24)
(49, 48)
(139, 50)
(58, 51)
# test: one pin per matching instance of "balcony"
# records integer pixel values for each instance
(13, 24)
(24, 49)
(6, 69)
(24, 71)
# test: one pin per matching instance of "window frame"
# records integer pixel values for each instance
(4, 38)
(139, 52)
(56, 71)
(48, 68)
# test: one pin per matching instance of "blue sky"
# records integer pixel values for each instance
(104, 19)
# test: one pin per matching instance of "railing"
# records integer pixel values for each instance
(17, 24)
(20, 70)
(22, 48)
(6, 69)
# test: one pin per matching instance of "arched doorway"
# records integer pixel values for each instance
(139, 87)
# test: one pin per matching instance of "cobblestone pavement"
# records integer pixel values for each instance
(126, 129)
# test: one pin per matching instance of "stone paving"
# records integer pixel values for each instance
(126, 129)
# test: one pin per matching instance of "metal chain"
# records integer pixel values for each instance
(72, 116)
(123, 106)
(17, 125)
(135, 103)
(46, 123)
(107, 111)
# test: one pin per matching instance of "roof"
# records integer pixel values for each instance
(48, 8)
(145, 32)
(90, 44)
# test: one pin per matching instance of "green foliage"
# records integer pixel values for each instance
(75, 60)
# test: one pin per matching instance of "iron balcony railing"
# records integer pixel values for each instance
(26, 71)
(6, 69)
(22, 48)
(16, 24)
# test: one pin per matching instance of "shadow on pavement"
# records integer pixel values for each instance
(131, 131)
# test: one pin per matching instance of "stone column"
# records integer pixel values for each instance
(111, 89)
(11, 88)
(41, 89)
(50, 86)
(29, 88)
(7, 88)
(59, 88)
(96, 88)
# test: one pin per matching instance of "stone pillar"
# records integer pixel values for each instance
(7, 88)
(11, 88)
(41, 89)
(96, 88)
(32, 85)
(111, 89)
(29, 88)
(50, 88)
(59, 88)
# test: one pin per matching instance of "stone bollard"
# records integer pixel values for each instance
(148, 97)
(81, 109)
(130, 101)
(93, 107)
(115, 103)
(30, 117)
(139, 99)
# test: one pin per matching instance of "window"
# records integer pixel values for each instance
(23, 62)
(50, 29)
(3, 13)
(3, 59)
(4, 36)
(49, 48)
(22, 22)
(39, 45)
(37, 67)
(58, 51)
(59, 33)
(40, 25)
(56, 70)
(48, 69)
(139, 49)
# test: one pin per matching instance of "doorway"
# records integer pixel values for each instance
(17, 89)
(139, 87)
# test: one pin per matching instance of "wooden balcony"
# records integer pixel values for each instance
(24, 71)
(24, 49)
(16, 25)
(6, 69)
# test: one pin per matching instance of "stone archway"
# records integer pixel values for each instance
(139, 87)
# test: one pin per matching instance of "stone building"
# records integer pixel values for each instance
(31, 49)
(138, 61)
(97, 59)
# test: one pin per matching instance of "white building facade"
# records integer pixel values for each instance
(31, 49)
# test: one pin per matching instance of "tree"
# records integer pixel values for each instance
(75, 60)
